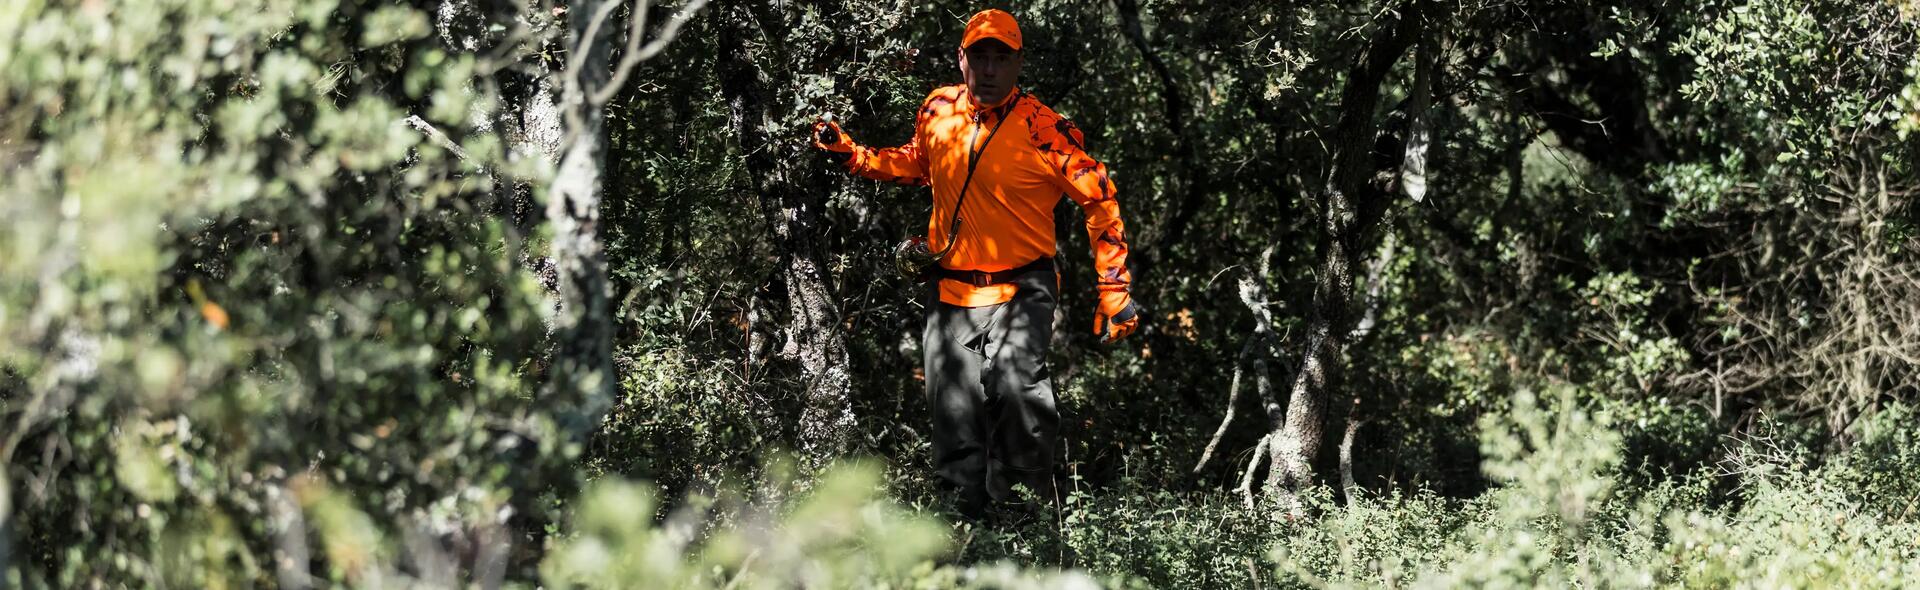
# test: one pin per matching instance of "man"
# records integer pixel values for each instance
(987, 333)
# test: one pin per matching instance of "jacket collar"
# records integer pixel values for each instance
(974, 108)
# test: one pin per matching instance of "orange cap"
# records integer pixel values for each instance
(992, 24)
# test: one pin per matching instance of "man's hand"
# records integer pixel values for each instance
(827, 136)
(1115, 317)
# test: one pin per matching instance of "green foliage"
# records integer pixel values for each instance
(258, 329)
(840, 533)
(1784, 98)
(836, 535)
(1635, 353)
(1910, 101)
(234, 273)
(1837, 525)
(1553, 469)
(1561, 520)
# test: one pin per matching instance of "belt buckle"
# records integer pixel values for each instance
(980, 279)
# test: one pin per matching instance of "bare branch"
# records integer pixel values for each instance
(1233, 401)
(573, 94)
(1346, 460)
(290, 555)
(1376, 277)
(577, 58)
(434, 135)
(1256, 348)
(497, 58)
(636, 54)
(1253, 464)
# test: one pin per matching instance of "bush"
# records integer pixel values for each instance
(841, 533)
(1560, 519)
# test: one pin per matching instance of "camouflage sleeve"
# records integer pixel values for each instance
(1085, 181)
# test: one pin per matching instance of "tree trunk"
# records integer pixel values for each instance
(1347, 210)
(813, 337)
(582, 374)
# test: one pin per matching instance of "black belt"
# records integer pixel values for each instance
(981, 278)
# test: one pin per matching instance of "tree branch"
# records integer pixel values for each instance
(1174, 105)
(635, 53)
(1257, 347)
(1347, 484)
(1253, 464)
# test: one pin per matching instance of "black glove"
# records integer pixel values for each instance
(832, 142)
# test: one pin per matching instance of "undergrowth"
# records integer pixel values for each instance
(1563, 513)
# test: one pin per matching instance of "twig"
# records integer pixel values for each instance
(573, 94)
(1253, 464)
(746, 565)
(434, 135)
(1233, 401)
(496, 59)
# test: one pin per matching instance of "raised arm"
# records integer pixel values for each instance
(1085, 181)
(905, 164)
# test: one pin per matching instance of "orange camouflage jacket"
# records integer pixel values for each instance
(1008, 220)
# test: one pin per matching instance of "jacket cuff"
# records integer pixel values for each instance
(855, 158)
(1115, 304)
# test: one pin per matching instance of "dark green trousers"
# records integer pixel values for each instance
(991, 394)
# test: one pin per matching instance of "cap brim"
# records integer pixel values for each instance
(1010, 43)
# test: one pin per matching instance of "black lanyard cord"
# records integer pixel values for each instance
(973, 162)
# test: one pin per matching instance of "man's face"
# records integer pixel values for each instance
(991, 69)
